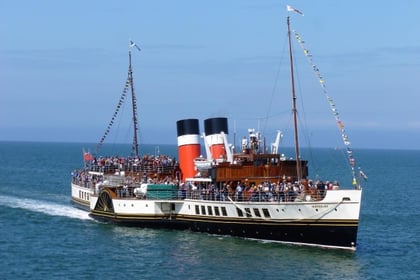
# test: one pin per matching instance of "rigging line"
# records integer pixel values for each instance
(122, 116)
(307, 133)
(304, 128)
(250, 118)
(302, 119)
(334, 110)
(275, 85)
(128, 132)
(304, 131)
(111, 122)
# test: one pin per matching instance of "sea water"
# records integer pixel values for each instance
(42, 236)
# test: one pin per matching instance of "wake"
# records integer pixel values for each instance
(49, 208)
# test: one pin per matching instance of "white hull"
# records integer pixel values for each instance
(80, 196)
(337, 205)
(337, 213)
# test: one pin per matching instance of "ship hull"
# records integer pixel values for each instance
(331, 223)
(80, 196)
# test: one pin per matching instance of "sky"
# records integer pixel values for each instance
(63, 66)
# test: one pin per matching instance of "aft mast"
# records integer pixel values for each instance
(135, 148)
(129, 85)
(294, 109)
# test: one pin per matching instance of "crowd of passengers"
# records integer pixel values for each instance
(266, 191)
(283, 190)
(116, 164)
(236, 191)
(136, 164)
(89, 180)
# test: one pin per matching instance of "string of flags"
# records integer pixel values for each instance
(334, 110)
(120, 103)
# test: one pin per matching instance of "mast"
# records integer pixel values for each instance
(292, 77)
(134, 105)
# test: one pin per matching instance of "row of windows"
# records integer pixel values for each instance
(83, 195)
(241, 213)
(256, 211)
(210, 211)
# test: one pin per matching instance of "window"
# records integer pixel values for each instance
(224, 213)
(257, 212)
(203, 210)
(197, 210)
(216, 211)
(248, 212)
(240, 213)
(266, 213)
(209, 210)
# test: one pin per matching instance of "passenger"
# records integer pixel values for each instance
(248, 192)
(276, 190)
(223, 192)
(321, 187)
(294, 191)
(304, 186)
(228, 191)
(74, 175)
(330, 186)
(269, 191)
(238, 192)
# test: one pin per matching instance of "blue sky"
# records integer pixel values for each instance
(63, 65)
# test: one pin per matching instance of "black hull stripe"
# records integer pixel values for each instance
(325, 234)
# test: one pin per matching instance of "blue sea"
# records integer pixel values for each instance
(43, 237)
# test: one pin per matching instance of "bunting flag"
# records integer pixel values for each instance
(362, 174)
(120, 103)
(134, 45)
(334, 110)
(291, 9)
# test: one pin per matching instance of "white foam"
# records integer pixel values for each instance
(45, 207)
